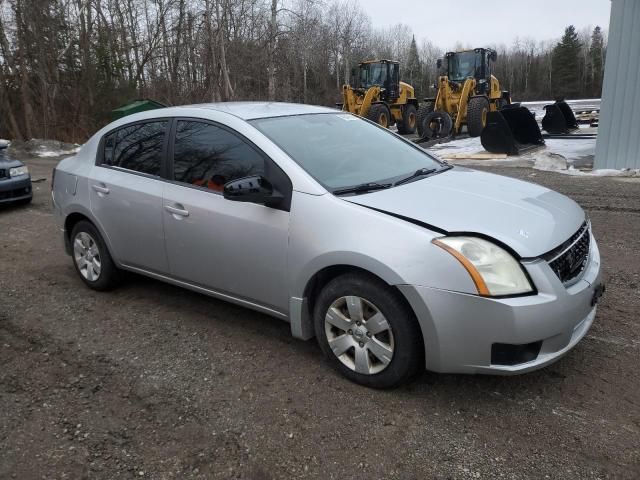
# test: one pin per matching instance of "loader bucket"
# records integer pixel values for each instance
(511, 130)
(559, 118)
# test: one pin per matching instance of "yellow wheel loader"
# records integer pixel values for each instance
(378, 95)
(468, 94)
(465, 94)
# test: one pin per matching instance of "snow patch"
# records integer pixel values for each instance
(465, 145)
(603, 172)
(55, 153)
(550, 161)
(45, 148)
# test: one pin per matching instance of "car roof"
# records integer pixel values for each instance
(253, 110)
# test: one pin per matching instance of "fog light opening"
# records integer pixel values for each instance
(510, 354)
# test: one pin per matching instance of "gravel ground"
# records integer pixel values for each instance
(152, 381)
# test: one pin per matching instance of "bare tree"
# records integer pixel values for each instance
(65, 64)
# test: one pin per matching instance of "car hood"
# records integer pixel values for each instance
(528, 218)
(6, 162)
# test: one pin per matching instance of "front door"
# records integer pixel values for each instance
(233, 248)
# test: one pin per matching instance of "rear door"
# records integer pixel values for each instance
(234, 248)
(126, 193)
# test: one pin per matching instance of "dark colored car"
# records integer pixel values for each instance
(15, 181)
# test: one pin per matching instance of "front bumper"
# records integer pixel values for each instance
(460, 330)
(15, 189)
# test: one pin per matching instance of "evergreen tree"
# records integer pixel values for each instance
(413, 68)
(565, 63)
(596, 60)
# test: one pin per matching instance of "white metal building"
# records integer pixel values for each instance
(618, 144)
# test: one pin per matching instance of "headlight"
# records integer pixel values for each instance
(17, 171)
(493, 270)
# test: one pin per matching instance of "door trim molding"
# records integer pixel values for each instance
(212, 293)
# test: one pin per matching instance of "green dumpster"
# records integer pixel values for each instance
(136, 106)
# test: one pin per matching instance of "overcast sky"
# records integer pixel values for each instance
(480, 23)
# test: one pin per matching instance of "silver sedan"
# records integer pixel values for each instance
(393, 260)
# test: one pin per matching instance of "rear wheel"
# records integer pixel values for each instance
(424, 110)
(477, 115)
(91, 257)
(409, 120)
(380, 114)
(368, 332)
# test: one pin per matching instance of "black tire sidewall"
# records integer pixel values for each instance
(408, 356)
(108, 272)
(474, 115)
(424, 110)
(447, 124)
(376, 111)
(403, 127)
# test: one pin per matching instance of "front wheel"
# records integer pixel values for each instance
(477, 115)
(368, 332)
(380, 114)
(409, 120)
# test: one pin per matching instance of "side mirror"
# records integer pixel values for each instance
(254, 189)
(493, 56)
(439, 63)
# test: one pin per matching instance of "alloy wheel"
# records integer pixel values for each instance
(359, 335)
(87, 256)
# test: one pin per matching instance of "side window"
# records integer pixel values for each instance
(136, 147)
(209, 156)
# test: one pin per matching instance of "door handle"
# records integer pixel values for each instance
(177, 211)
(100, 189)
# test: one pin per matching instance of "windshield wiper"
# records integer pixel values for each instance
(362, 188)
(422, 172)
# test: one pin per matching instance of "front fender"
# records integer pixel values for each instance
(347, 259)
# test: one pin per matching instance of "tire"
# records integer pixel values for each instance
(437, 125)
(383, 354)
(424, 110)
(477, 110)
(409, 120)
(101, 274)
(380, 114)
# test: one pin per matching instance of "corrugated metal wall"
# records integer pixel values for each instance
(618, 144)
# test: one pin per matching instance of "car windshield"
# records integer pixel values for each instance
(340, 150)
(462, 66)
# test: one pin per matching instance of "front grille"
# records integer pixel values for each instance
(570, 259)
(3, 173)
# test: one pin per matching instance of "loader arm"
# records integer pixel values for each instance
(372, 95)
(350, 103)
(467, 90)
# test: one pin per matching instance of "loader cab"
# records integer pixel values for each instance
(474, 63)
(382, 73)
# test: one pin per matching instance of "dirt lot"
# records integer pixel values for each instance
(151, 381)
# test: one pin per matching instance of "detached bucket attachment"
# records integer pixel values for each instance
(511, 130)
(559, 118)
